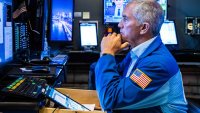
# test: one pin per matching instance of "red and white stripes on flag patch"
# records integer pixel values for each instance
(140, 78)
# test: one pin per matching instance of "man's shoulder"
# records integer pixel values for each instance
(161, 61)
(160, 56)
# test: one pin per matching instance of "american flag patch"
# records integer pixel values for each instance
(140, 78)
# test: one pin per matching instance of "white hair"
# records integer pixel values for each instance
(149, 11)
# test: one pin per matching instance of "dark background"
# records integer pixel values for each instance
(177, 11)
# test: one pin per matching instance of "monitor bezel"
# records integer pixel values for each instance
(47, 94)
(104, 14)
(165, 15)
(166, 6)
(4, 67)
(174, 33)
(88, 46)
(58, 44)
(172, 47)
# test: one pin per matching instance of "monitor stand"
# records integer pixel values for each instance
(88, 48)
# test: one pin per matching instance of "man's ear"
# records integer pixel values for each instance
(144, 28)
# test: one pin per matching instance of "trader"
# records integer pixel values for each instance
(148, 80)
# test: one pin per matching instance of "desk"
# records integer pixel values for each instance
(50, 110)
(54, 72)
(18, 104)
(81, 96)
(55, 77)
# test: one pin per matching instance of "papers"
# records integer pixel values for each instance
(90, 106)
(26, 69)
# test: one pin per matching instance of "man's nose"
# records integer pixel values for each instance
(120, 25)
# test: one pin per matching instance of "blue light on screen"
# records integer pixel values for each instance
(61, 20)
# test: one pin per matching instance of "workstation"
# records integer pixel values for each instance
(49, 50)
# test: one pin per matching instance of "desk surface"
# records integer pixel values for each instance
(81, 96)
(54, 72)
(51, 110)
(58, 60)
(56, 66)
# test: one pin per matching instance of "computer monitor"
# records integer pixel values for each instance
(88, 34)
(163, 4)
(6, 39)
(168, 33)
(64, 100)
(28, 27)
(61, 22)
(113, 9)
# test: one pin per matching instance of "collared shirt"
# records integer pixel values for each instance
(136, 52)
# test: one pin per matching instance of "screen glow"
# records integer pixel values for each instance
(88, 32)
(168, 33)
(113, 9)
(61, 20)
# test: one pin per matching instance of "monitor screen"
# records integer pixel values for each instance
(88, 33)
(64, 100)
(168, 33)
(61, 20)
(6, 40)
(113, 9)
(163, 4)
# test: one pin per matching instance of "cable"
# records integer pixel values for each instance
(32, 29)
(55, 109)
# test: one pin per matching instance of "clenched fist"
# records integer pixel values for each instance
(112, 44)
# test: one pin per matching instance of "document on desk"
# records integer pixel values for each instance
(26, 69)
(37, 69)
(90, 106)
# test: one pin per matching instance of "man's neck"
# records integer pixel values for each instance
(142, 39)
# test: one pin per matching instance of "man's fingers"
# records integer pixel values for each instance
(114, 33)
(124, 45)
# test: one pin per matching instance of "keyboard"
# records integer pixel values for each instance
(59, 59)
(26, 86)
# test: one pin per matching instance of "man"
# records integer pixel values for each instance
(148, 80)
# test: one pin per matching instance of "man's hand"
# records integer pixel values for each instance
(112, 43)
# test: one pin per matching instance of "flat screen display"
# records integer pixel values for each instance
(168, 33)
(6, 37)
(61, 20)
(113, 9)
(64, 100)
(163, 4)
(88, 33)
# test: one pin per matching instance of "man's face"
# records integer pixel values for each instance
(129, 26)
(119, 3)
